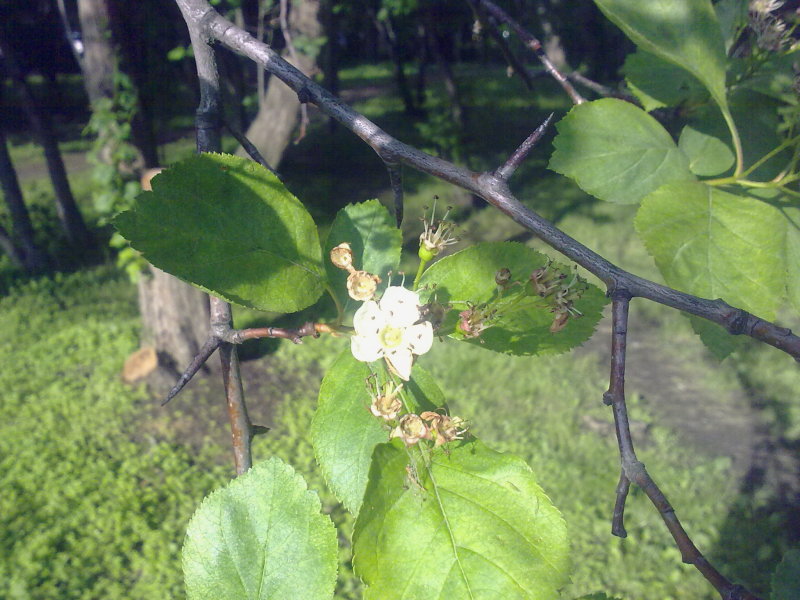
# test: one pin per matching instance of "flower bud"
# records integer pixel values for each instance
(342, 256)
(362, 285)
(502, 277)
(411, 429)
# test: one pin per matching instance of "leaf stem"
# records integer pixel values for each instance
(737, 142)
(422, 264)
(770, 154)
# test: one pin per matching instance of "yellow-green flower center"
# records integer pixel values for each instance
(391, 337)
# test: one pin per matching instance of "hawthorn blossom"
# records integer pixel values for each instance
(391, 329)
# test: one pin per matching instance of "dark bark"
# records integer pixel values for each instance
(20, 246)
(67, 209)
(277, 117)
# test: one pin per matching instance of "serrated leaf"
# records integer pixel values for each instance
(261, 537)
(598, 596)
(229, 226)
(468, 276)
(616, 151)
(715, 244)
(708, 155)
(683, 32)
(344, 433)
(793, 256)
(376, 242)
(658, 83)
(786, 579)
(469, 523)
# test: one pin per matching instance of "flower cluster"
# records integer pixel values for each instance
(429, 425)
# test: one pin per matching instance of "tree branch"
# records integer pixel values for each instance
(634, 471)
(516, 158)
(492, 189)
(249, 147)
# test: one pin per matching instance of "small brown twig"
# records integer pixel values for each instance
(222, 333)
(516, 158)
(533, 44)
(634, 471)
(490, 25)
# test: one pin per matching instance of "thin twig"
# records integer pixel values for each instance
(634, 471)
(210, 345)
(601, 89)
(515, 160)
(249, 147)
(535, 45)
(618, 518)
(295, 335)
(490, 25)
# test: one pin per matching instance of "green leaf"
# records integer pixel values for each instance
(370, 230)
(683, 32)
(658, 83)
(468, 276)
(732, 17)
(786, 579)
(466, 523)
(715, 244)
(261, 537)
(229, 226)
(597, 596)
(707, 154)
(793, 256)
(344, 432)
(616, 151)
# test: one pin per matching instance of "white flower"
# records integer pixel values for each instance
(390, 330)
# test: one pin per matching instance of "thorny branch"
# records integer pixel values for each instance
(634, 471)
(205, 23)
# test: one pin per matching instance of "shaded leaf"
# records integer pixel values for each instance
(229, 226)
(344, 432)
(468, 276)
(683, 32)
(472, 523)
(376, 241)
(707, 154)
(656, 82)
(732, 17)
(261, 537)
(721, 343)
(616, 151)
(715, 244)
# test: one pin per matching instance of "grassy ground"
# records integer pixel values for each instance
(98, 482)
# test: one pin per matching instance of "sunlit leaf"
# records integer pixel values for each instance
(616, 151)
(684, 32)
(344, 432)
(229, 226)
(708, 155)
(261, 537)
(716, 244)
(467, 523)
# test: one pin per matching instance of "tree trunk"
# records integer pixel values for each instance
(277, 118)
(67, 209)
(174, 314)
(175, 318)
(20, 246)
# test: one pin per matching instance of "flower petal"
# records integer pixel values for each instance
(365, 349)
(400, 306)
(400, 361)
(419, 338)
(368, 320)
